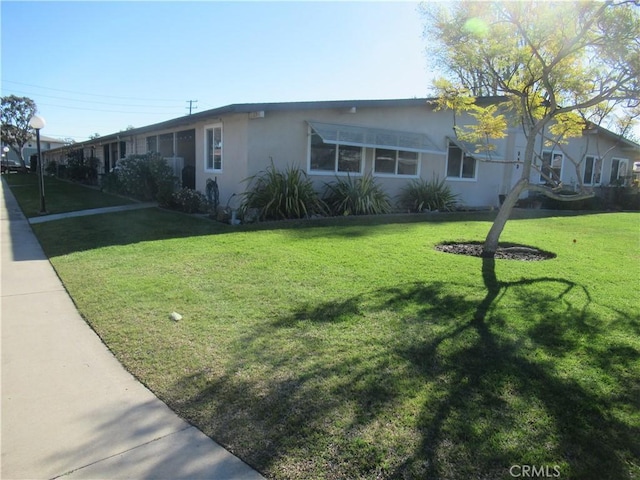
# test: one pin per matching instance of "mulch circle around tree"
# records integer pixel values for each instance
(506, 251)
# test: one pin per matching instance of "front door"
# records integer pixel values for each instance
(186, 148)
(105, 154)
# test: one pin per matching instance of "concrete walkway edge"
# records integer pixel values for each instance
(69, 409)
(93, 211)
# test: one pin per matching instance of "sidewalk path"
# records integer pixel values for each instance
(69, 409)
(93, 211)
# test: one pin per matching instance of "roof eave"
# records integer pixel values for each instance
(273, 106)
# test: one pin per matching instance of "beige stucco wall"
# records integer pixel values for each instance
(283, 137)
(574, 150)
(234, 158)
(251, 142)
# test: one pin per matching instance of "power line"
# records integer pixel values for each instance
(93, 101)
(105, 111)
(90, 94)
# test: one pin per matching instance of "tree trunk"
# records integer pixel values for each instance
(491, 241)
(18, 151)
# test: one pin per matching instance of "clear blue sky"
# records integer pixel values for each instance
(102, 66)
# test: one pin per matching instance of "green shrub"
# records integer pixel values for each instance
(421, 195)
(189, 201)
(82, 169)
(282, 194)
(356, 196)
(164, 197)
(142, 177)
(111, 183)
(52, 168)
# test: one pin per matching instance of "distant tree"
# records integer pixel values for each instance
(561, 66)
(15, 116)
(94, 136)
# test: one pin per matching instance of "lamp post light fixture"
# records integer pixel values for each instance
(38, 123)
(5, 158)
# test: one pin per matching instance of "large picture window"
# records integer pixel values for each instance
(592, 170)
(551, 171)
(213, 148)
(333, 157)
(459, 164)
(395, 162)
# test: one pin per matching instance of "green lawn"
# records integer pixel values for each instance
(60, 196)
(350, 348)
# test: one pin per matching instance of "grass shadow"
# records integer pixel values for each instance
(448, 388)
(61, 195)
(67, 236)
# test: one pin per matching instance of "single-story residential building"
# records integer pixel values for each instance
(394, 140)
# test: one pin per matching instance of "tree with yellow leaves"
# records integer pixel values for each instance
(556, 66)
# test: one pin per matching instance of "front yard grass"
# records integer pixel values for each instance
(350, 348)
(60, 196)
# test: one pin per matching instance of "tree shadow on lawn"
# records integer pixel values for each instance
(430, 381)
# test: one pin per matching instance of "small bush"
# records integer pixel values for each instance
(82, 169)
(142, 177)
(52, 168)
(282, 194)
(164, 197)
(356, 196)
(111, 183)
(421, 195)
(189, 201)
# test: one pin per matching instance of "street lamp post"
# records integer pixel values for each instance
(38, 123)
(5, 157)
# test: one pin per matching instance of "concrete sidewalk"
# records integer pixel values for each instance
(69, 409)
(93, 211)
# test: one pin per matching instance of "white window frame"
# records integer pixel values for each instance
(552, 155)
(595, 161)
(335, 170)
(621, 161)
(212, 128)
(397, 163)
(463, 155)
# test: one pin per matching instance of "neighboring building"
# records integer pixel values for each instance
(31, 148)
(395, 140)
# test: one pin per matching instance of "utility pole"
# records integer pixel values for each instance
(191, 106)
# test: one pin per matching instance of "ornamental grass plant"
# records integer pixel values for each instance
(280, 195)
(431, 195)
(356, 196)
